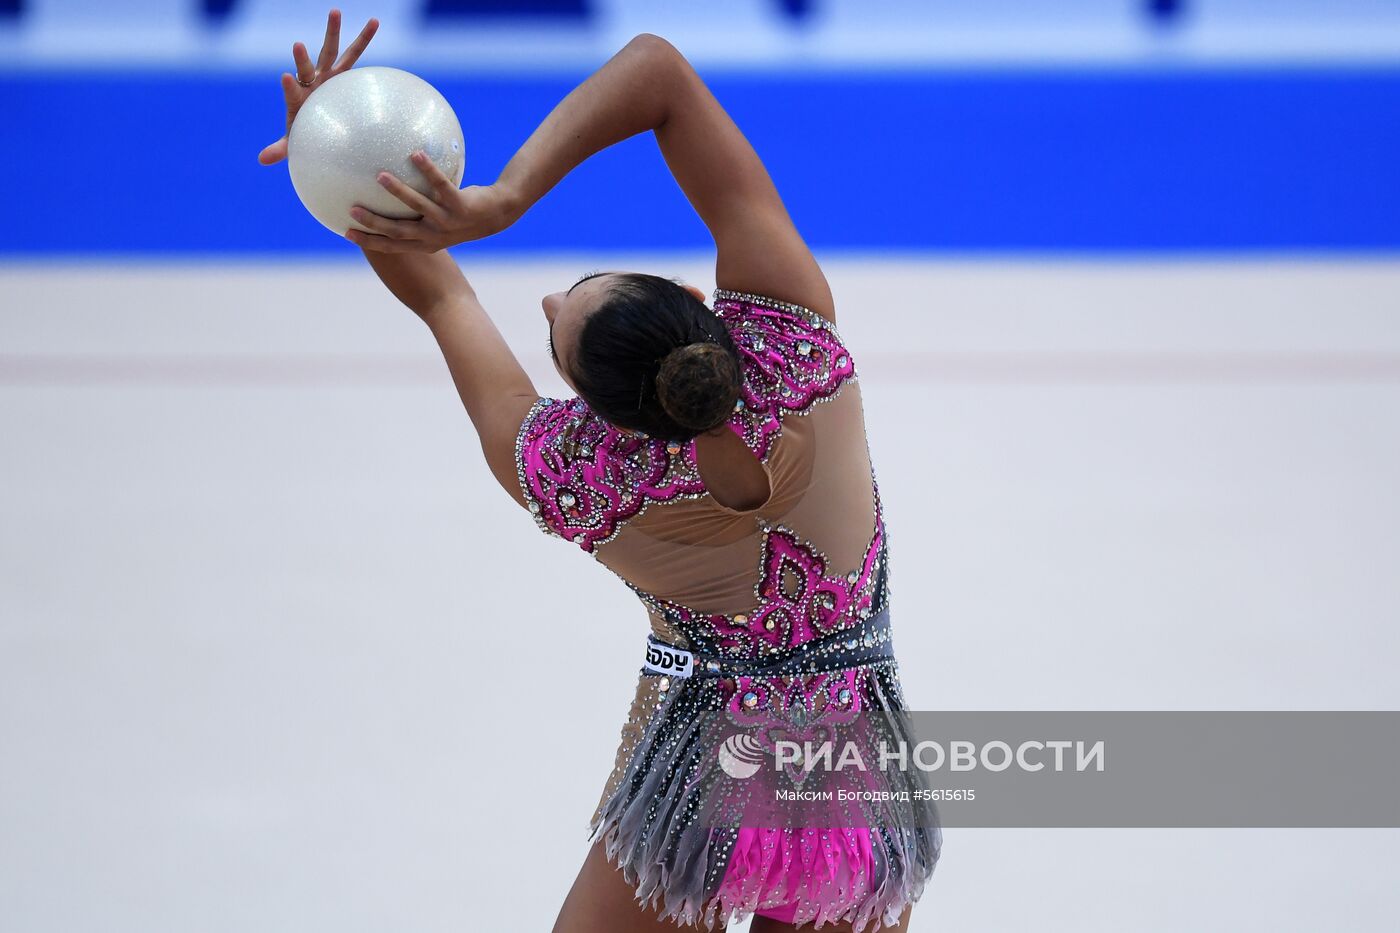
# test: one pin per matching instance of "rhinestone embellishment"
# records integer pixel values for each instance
(567, 455)
(781, 664)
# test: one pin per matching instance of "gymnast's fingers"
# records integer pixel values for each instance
(273, 152)
(409, 196)
(306, 72)
(357, 48)
(443, 189)
(384, 244)
(330, 47)
(386, 226)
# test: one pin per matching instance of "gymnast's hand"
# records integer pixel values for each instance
(297, 88)
(449, 215)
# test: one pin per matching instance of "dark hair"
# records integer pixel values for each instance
(653, 358)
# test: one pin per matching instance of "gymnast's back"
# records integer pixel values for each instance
(751, 583)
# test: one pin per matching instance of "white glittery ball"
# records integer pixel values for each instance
(363, 122)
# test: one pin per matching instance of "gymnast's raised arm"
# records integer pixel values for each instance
(648, 85)
(490, 381)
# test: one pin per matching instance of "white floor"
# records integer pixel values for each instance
(256, 584)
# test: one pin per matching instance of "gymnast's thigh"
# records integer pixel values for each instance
(602, 902)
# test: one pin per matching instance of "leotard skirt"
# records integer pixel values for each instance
(755, 786)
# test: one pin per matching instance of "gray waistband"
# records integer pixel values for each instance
(866, 643)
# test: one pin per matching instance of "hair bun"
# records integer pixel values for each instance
(698, 384)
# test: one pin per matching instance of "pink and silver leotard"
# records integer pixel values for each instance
(773, 620)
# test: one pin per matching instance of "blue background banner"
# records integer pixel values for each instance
(1097, 160)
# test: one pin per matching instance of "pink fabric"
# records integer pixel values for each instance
(586, 478)
(825, 871)
(785, 914)
(825, 601)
